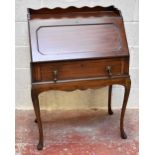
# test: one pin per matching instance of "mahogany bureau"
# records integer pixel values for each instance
(77, 48)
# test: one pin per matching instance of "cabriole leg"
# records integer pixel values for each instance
(109, 100)
(126, 95)
(36, 106)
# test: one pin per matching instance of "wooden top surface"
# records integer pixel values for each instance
(76, 33)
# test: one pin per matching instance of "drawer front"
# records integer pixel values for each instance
(79, 69)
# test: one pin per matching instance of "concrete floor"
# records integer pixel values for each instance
(82, 132)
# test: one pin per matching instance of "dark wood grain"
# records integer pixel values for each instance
(77, 35)
(78, 39)
(78, 48)
(72, 9)
(79, 69)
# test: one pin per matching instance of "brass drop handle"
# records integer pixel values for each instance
(55, 74)
(108, 68)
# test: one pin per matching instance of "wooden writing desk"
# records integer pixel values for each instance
(77, 48)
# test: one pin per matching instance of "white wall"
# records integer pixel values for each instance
(77, 99)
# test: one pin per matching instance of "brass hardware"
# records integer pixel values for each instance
(108, 68)
(55, 73)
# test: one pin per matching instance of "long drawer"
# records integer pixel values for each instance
(66, 70)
